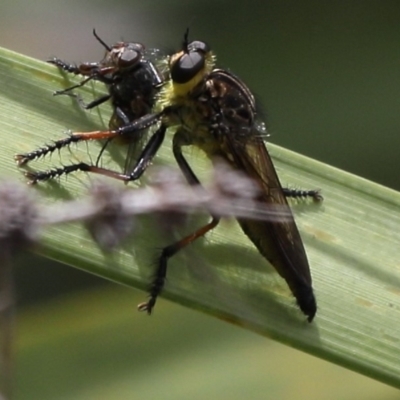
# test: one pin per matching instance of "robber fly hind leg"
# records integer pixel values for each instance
(143, 162)
(75, 137)
(299, 194)
(158, 281)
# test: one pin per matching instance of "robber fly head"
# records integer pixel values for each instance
(189, 66)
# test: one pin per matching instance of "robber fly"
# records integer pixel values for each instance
(212, 109)
(132, 74)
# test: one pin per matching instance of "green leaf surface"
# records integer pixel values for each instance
(114, 354)
(351, 238)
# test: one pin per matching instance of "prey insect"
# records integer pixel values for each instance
(133, 75)
(212, 109)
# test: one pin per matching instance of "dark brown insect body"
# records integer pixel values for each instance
(132, 78)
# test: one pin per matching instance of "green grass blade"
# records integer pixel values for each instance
(351, 239)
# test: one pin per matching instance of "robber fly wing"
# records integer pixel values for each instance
(278, 241)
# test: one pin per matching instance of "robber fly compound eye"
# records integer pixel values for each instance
(186, 67)
(190, 62)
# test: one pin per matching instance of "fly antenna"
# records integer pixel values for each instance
(106, 46)
(185, 43)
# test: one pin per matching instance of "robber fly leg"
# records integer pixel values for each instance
(157, 283)
(74, 137)
(143, 162)
(297, 194)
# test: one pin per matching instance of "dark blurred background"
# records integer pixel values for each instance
(328, 75)
(326, 72)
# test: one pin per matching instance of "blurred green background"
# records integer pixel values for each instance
(328, 74)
